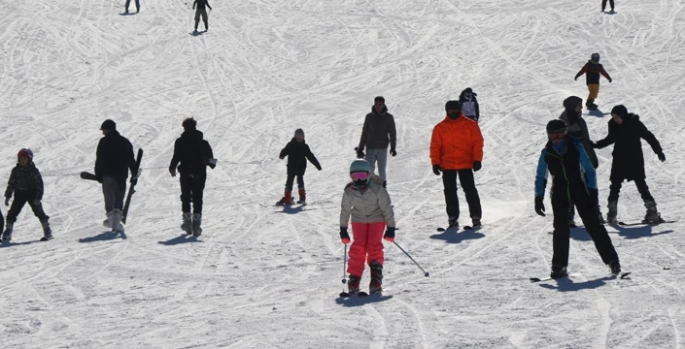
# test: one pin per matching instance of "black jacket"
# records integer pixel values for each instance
(114, 156)
(298, 153)
(193, 152)
(27, 179)
(628, 161)
(378, 130)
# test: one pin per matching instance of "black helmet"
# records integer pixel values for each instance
(595, 57)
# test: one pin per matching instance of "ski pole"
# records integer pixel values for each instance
(344, 263)
(425, 273)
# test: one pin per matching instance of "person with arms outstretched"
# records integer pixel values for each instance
(592, 69)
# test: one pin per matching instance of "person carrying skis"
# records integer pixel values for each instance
(377, 133)
(576, 127)
(625, 132)
(26, 184)
(457, 149)
(113, 160)
(565, 158)
(367, 202)
(298, 153)
(469, 104)
(592, 69)
(128, 2)
(201, 11)
(192, 155)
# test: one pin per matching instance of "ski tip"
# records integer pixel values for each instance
(440, 229)
(344, 294)
(535, 279)
(625, 275)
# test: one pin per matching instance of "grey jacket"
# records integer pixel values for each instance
(378, 131)
(579, 131)
(368, 206)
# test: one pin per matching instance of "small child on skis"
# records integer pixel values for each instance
(592, 69)
(368, 203)
(26, 184)
(298, 153)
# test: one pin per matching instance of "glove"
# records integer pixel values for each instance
(344, 236)
(99, 179)
(360, 153)
(211, 163)
(436, 169)
(173, 172)
(476, 166)
(661, 156)
(539, 206)
(594, 197)
(389, 234)
(393, 152)
(318, 168)
(610, 80)
(575, 79)
(7, 201)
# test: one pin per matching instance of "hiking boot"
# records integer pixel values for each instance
(376, 284)
(353, 284)
(197, 221)
(558, 271)
(116, 220)
(47, 232)
(187, 225)
(615, 267)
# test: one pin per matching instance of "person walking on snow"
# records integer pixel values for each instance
(457, 150)
(377, 133)
(368, 204)
(194, 154)
(592, 69)
(26, 184)
(298, 153)
(626, 132)
(200, 7)
(565, 158)
(576, 127)
(469, 104)
(113, 160)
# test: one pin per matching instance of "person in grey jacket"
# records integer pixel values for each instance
(368, 204)
(377, 133)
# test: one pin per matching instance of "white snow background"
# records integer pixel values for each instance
(262, 277)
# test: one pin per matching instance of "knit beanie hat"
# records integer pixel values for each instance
(620, 110)
(452, 105)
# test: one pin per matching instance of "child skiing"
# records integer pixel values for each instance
(469, 104)
(565, 158)
(26, 184)
(368, 203)
(298, 153)
(592, 69)
(626, 131)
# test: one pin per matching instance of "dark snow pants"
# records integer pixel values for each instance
(201, 12)
(640, 183)
(587, 211)
(128, 2)
(192, 189)
(20, 199)
(604, 4)
(291, 178)
(449, 182)
(114, 189)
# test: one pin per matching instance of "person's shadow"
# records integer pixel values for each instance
(10, 244)
(451, 236)
(356, 301)
(597, 113)
(567, 285)
(182, 239)
(289, 209)
(104, 236)
(639, 232)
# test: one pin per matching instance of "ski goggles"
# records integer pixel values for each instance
(359, 175)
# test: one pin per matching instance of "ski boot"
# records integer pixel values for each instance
(611, 214)
(117, 227)
(47, 232)
(615, 267)
(7, 235)
(652, 216)
(590, 104)
(287, 199)
(197, 221)
(376, 284)
(353, 284)
(107, 223)
(303, 196)
(187, 225)
(452, 223)
(558, 271)
(600, 217)
(475, 224)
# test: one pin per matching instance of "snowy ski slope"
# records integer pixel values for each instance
(264, 277)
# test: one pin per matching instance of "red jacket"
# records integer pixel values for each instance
(456, 144)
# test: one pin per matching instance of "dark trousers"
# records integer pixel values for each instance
(604, 4)
(192, 189)
(114, 189)
(20, 199)
(640, 183)
(201, 12)
(291, 178)
(588, 213)
(128, 2)
(449, 182)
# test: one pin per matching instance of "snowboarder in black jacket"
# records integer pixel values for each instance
(574, 182)
(194, 155)
(625, 132)
(26, 184)
(112, 163)
(469, 104)
(298, 153)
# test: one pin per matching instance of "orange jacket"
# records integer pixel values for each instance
(456, 144)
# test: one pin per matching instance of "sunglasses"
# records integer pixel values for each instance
(359, 175)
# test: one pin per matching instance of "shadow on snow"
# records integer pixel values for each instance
(105, 236)
(451, 236)
(181, 239)
(355, 301)
(598, 113)
(292, 209)
(567, 285)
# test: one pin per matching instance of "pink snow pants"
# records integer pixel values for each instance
(367, 246)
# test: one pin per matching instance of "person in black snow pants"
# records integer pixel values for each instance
(113, 160)
(200, 7)
(604, 5)
(26, 184)
(128, 2)
(565, 158)
(469, 104)
(625, 132)
(377, 133)
(577, 128)
(298, 153)
(194, 155)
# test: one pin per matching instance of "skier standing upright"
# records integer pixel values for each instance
(192, 155)
(565, 158)
(378, 131)
(200, 7)
(592, 69)
(26, 184)
(298, 153)
(626, 132)
(113, 161)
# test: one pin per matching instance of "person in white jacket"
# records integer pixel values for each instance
(367, 202)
